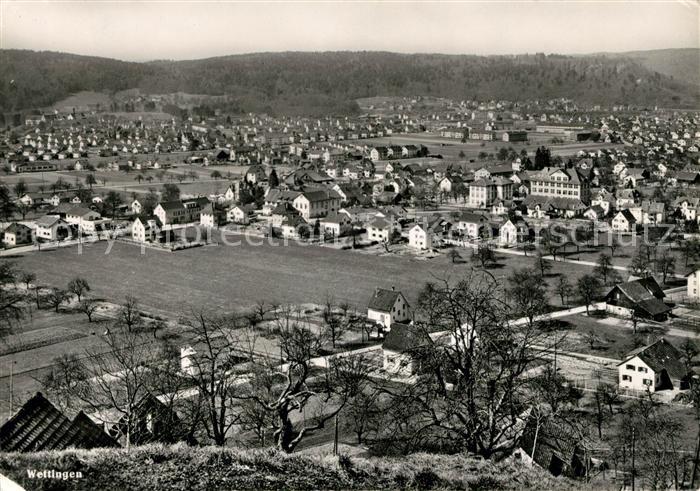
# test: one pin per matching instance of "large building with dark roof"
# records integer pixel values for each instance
(38, 425)
(657, 366)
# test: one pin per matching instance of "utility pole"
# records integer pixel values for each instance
(12, 387)
(335, 436)
(634, 438)
(695, 462)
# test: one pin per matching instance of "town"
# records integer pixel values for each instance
(262, 248)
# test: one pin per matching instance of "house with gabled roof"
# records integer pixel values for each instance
(657, 366)
(623, 221)
(16, 234)
(180, 211)
(388, 306)
(402, 347)
(642, 298)
(39, 425)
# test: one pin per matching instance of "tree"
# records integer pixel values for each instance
(666, 264)
(139, 177)
(527, 294)
(28, 278)
(640, 264)
(88, 307)
(56, 298)
(363, 414)
(12, 307)
(124, 357)
(564, 289)
(170, 192)
(542, 264)
(603, 267)
(78, 287)
(212, 370)
(20, 188)
(216, 175)
(129, 314)
(112, 201)
(588, 287)
(470, 385)
(273, 180)
(287, 389)
(483, 254)
(90, 180)
(333, 321)
(7, 204)
(454, 256)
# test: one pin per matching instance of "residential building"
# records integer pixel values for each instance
(181, 211)
(51, 227)
(401, 349)
(317, 203)
(693, 287)
(388, 306)
(658, 366)
(420, 238)
(556, 182)
(16, 234)
(624, 221)
(641, 298)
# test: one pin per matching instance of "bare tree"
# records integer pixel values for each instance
(564, 289)
(88, 307)
(285, 389)
(471, 385)
(78, 287)
(56, 297)
(333, 321)
(28, 278)
(212, 369)
(129, 314)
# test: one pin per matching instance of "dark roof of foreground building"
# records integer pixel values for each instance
(38, 425)
(383, 300)
(405, 337)
(661, 355)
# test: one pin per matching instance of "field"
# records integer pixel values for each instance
(450, 148)
(230, 277)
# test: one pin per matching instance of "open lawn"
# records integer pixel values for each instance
(229, 277)
(450, 147)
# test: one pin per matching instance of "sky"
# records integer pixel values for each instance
(162, 29)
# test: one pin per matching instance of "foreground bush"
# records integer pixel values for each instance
(179, 467)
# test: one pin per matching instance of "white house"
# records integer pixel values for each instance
(239, 214)
(379, 229)
(693, 288)
(51, 227)
(84, 218)
(624, 221)
(144, 232)
(136, 207)
(16, 234)
(420, 238)
(657, 366)
(388, 306)
(207, 217)
(508, 234)
(335, 224)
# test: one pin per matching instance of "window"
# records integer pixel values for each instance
(646, 381)
(626, 378)
(642, 369)
(630, 367)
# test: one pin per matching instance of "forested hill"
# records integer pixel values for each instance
(329, 82)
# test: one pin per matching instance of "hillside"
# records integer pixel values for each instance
(330, 82)
(157, 467)
(681, 64)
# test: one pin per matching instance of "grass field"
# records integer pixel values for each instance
(230, 277)
(450, 148)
